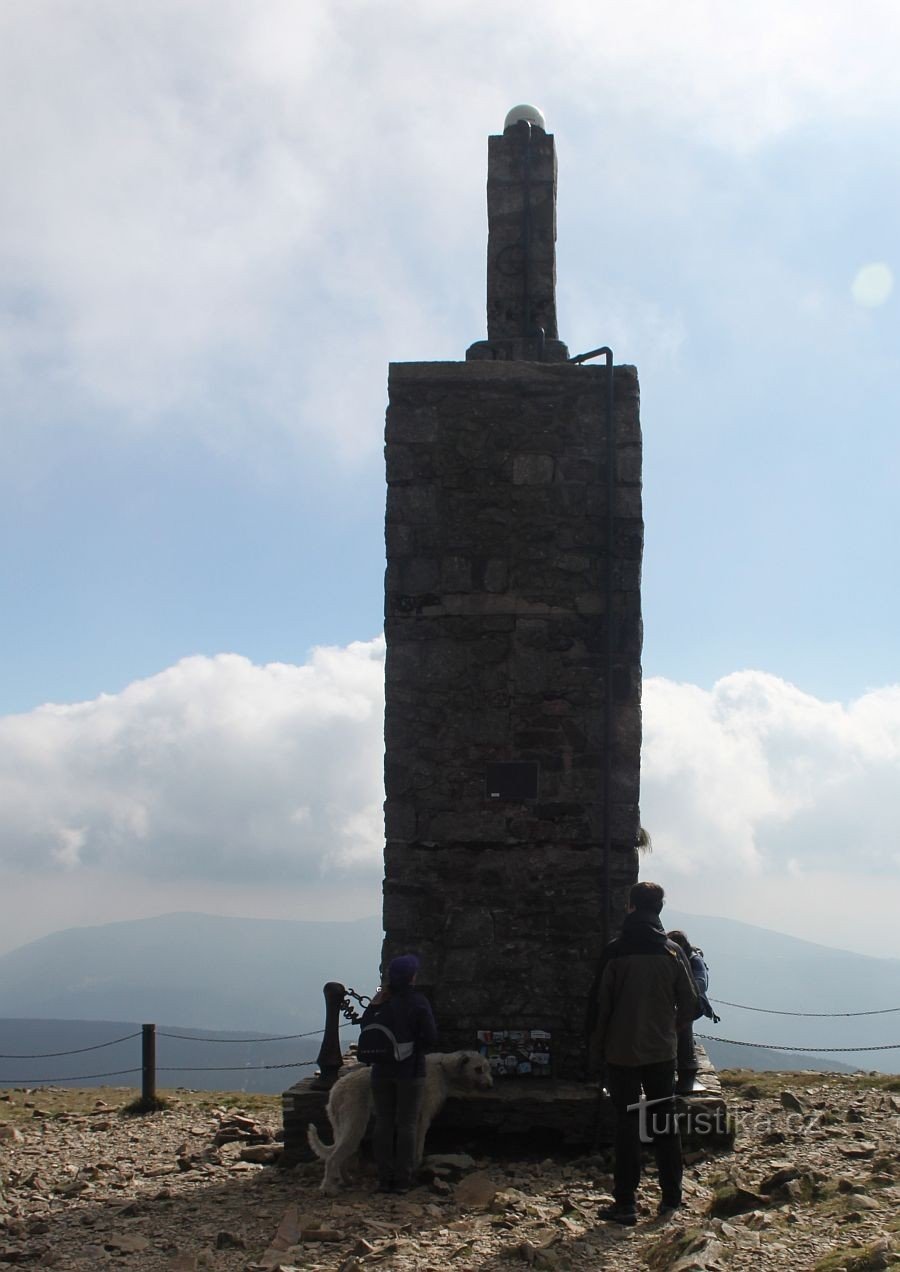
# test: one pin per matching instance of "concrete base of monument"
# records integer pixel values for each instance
(522, 1116)
(301, 1104)
(543, 1114)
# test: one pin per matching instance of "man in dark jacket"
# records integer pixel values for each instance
(398, 1086)
(642, 993)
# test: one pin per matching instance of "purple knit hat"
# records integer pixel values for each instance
(401, 970)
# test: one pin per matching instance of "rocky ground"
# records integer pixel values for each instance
(813, 1182)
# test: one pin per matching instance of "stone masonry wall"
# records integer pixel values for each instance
(496, 630)
(521, 258)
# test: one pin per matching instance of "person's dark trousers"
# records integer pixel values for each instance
(637, 1122)
(397, 1103)
(687, 1058)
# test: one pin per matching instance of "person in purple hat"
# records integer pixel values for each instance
(403, 1015)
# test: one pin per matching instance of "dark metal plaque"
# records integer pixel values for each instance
(512, 780)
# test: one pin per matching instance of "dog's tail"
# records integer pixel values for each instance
(321, 1150)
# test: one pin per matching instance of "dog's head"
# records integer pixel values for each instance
(470, 1069)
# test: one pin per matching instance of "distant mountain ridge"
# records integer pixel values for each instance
(266, 976)
(787, 981)
(201, 970)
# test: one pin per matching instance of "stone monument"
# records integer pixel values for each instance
(513, 676)
(513, 687)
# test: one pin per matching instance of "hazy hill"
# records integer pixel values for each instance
(727, 1055)
(200, 970)
(756, 967)
(209, 973)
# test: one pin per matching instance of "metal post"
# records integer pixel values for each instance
(611, 637)
(330, 1059)
(148, 1064)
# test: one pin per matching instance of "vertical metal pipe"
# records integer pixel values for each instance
(609, 643)
(610, 640)
(148, 1064)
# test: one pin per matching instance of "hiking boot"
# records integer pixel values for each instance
(666, 1209)
(624, 1215)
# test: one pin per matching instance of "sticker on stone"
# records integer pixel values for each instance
(516, 1053)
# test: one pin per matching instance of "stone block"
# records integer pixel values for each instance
(495, 575)
(456, 574)
(533, 470)
(400, 463)
(589, 603)
(403, 661)
(413, 504)
(462, 827)
(420, 574)
(400, 539)
(400, 819)
(460, 964)
(470, 927)
(411, 421)
(628, 465)
(627, 575)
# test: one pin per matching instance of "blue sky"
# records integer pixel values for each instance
(222, 221)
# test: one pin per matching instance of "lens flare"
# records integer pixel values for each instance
(872, 284)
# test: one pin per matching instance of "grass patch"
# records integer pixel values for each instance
(146, 1104)
(731, 1199)
(871, 1258)
(235, 1100)
(764, 1084)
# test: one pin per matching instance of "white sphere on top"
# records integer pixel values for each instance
(530, 114)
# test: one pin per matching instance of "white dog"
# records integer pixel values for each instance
(350, 1106)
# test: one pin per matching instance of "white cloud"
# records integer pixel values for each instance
(756, 775)
(213, 769)
(220, 784)
(242, 211)
(770, 805)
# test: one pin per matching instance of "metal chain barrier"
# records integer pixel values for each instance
(783, 1046)
(234, 1068)
(352, 1016)
(348, 1011)
(160, 1033)
(831, 1015)
(122, 1073)
(81, 1077)
(52, 1055)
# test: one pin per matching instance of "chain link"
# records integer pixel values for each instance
(779, 1046)
(348, 1011)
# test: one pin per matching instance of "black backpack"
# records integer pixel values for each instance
(704, 1006)
(387, 1036)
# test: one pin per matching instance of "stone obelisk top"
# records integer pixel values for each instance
(521, 256)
